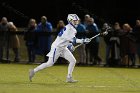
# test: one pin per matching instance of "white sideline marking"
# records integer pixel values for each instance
(94, 86)
(108, 86)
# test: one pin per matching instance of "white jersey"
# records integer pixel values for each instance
(64, 37)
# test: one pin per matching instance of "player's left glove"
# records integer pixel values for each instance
(71, 47)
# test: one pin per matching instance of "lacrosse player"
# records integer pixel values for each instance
(62, 47)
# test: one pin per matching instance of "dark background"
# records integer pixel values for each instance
(21, 11)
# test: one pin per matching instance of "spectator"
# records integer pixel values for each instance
(30, 40)
(3, 37)
(93, 46)
(128, 48)
(44, 41)
(107, 42)
(115, 58)
(136, 31)
(60, 26)
(86, 20)
(14, 42)
(81, 50)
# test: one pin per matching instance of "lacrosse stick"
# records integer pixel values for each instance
(105, 32)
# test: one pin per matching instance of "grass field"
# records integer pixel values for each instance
(14, 79)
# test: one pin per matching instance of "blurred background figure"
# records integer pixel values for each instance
(3, 37)
(136, 31)
(31, 40)
(115, 57)
(93, 47)
(44, 40)
(86, 20)
(81, 30)
(59, 27)
(107, 42)
(128, 47)
(14, 42)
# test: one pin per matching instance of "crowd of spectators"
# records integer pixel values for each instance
(122, 43)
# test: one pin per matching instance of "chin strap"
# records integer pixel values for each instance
(73, 25)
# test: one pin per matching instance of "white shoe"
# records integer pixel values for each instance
(31, 74)
(70, 80)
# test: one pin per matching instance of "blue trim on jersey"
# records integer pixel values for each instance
(61, 32)
(54, 54)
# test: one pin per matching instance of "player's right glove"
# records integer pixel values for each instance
(86, 40)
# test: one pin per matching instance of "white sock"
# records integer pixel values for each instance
(70, 69)
(69, 75)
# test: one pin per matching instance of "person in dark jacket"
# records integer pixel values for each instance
(107, 42)
(81, 50)
(128, 47)
(3, 38)
(136, 31)
(93, 46)
(30, 40)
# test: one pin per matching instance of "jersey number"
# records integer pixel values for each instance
(61, 32)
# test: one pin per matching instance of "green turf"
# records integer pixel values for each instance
(14, 79)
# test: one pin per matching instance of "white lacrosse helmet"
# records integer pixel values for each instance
(73, 19)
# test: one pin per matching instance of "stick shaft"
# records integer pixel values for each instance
(90, 39)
